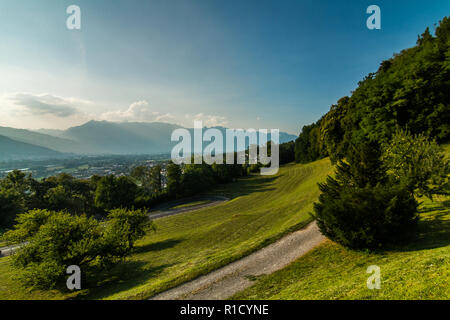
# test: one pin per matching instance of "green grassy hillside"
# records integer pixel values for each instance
(420, 270)
(262, 209)
(416, 270)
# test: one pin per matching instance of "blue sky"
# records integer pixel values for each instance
(247, 63)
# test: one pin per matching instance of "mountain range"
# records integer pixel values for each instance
(16, 150)
(93, 138)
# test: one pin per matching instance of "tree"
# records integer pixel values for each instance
(139, 173)
(149, 178)
(115, 192)
(287, 152)
(361, 207)
(173, 179)
(418, 163)
(123, 229)
(17, 180)
(155, 179)
(56, 240)
(11, 204)
(196, 178)
(410, 90)
(309, 145)
(59, 198)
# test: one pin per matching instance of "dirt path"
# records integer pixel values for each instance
(224, 282)
(215, 200)
(7, 251)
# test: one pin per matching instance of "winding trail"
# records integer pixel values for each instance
(7, 251)
(226, 281)
(236, 276)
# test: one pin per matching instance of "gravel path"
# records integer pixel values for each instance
(224, 282)
(7, 251)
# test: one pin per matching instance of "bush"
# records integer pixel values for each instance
(370, 217)
(361, 207)
(418, 163)
(56, 240)
(115, 192)
(11, 204)
(123, 229)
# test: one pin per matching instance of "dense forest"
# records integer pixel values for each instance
(411, 90)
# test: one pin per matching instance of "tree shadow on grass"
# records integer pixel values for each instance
(158, 246)
(120, 278)
(125, 275)
(433, 230)
(245, 186)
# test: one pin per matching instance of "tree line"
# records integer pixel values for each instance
(145, 187)
(409, 91)
(384, 140)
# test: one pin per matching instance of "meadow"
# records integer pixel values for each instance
(261, 210)
(416, 269)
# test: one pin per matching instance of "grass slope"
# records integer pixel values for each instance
(191, 204)
(417, 270)
(420, 270)
(185, 246)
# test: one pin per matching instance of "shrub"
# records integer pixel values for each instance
(123, 228)
(56, 240)
(361, 207)
(115, 192)
(368, 217)
(11, 204)
(418, 163)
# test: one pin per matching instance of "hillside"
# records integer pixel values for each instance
(185, 246)
(262, 210)
(42, 140)
(103, 137)
(123, 138)
(409, 90)
(12, 150)
(419, 270)
(134, 137)
(415, 270)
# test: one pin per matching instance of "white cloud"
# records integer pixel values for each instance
(46, 104)
(35, 111)
(140, 111)
(208, 120)
(137, 111)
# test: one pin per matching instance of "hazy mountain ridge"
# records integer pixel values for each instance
(14, 150)
(42, 140)
(123, 138)
(103, 137)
